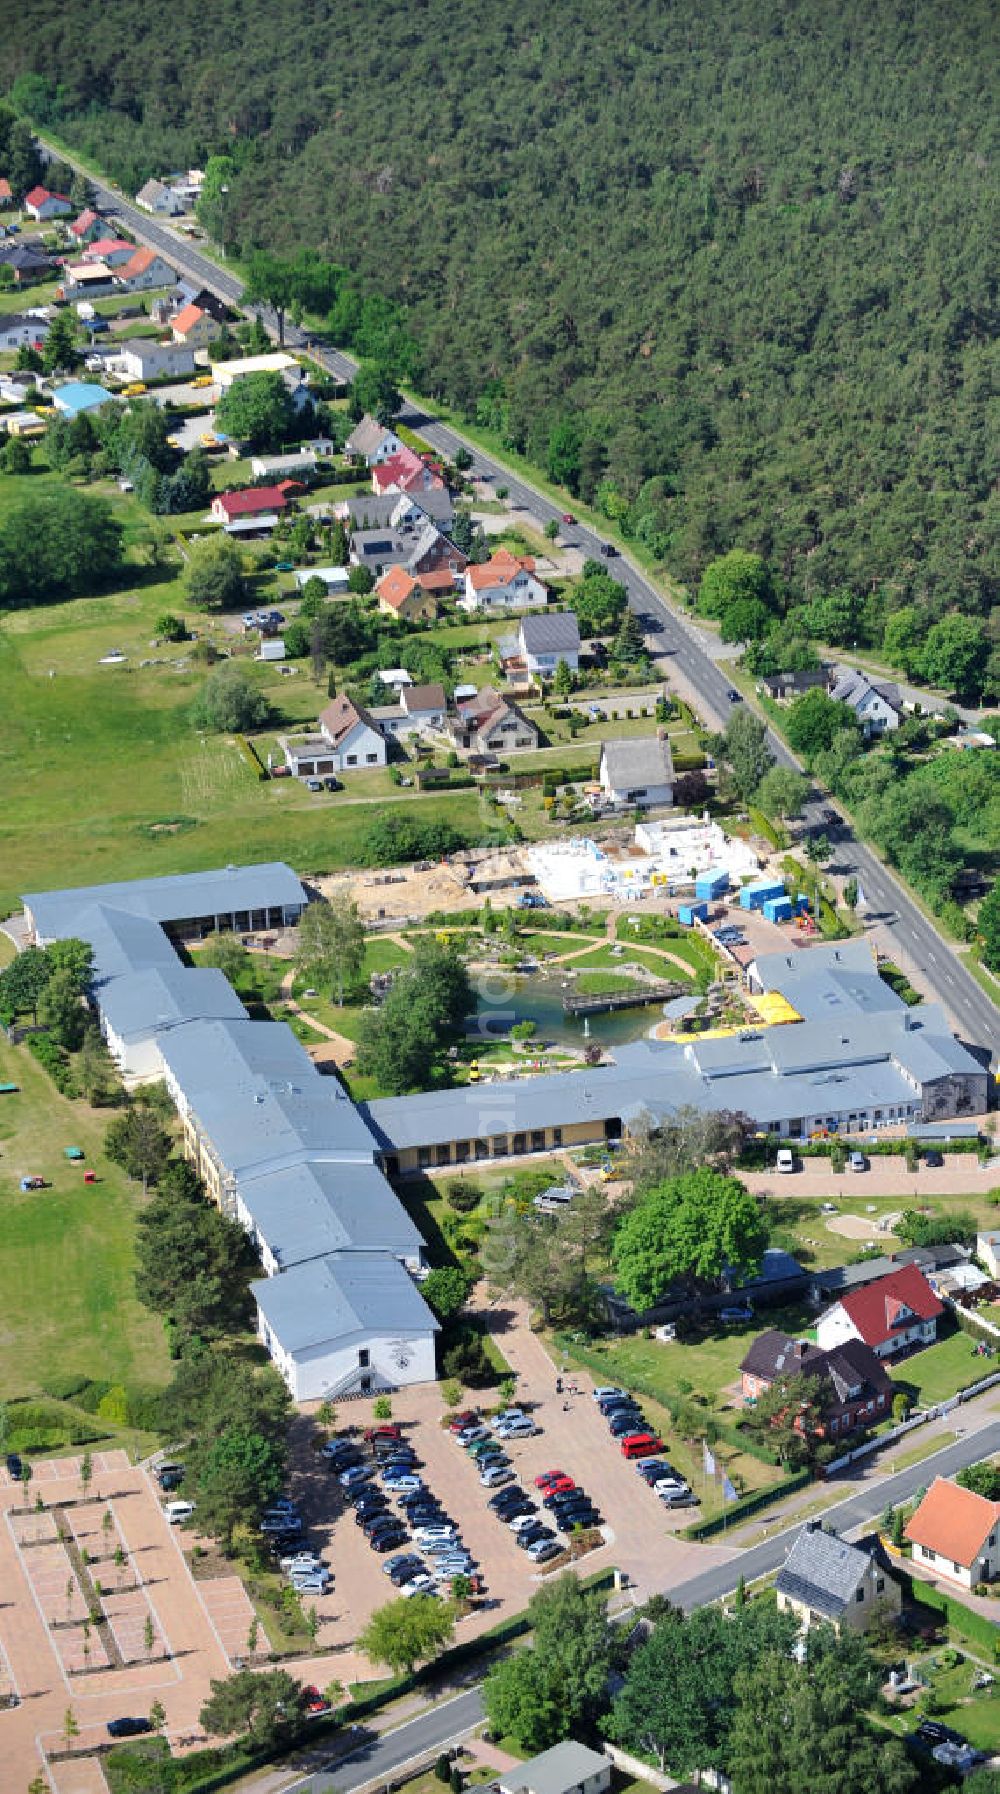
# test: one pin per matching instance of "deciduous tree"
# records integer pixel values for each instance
(691, 1227)
(404, 1633)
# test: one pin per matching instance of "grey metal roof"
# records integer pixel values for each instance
(260, 1099)
(822, 1571)
(556, 634)
(178, 898)
(631, 765)
(346, 1293)
(318, 1208)
(142, 1003)
(556, 1771)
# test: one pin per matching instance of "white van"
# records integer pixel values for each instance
(785, 1160)
(176, 1511)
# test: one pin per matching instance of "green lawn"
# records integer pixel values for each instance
(66, 1291)
(605, 959)
(941, 1370)
(974, 1713)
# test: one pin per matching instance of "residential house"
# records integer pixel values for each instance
(421, 710)
(857, 1391)
(87, 280)
(25, 262)
(143, 359)
(230, 507)
(542, 642)
(348, 738)
(892, 1315)
(114, 251)
(400, 595)
(20, 386)
(957, 1533)
(783, 687)
(491, 724)
(566, 1768)
(43, 205)
(507, 582)
(296, 464)
(413, 509)
(22, 423)
(988, 1250)
(407, 472)
(144, 271)
(349, 1323)
(378, 550)
(372, 442)
(159, 199)
(225, 372)
(194, 327)
(18, 331)
(638, 771)
(878, 707)
(85, 228)
(825, 1581)
(337, 580)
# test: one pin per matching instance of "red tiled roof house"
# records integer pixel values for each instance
(957, 1534)
(894, 1314)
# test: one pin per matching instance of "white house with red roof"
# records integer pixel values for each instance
(894, 1314)
(85, 228)
(407, 472)
(193, 327)
(956, 1533)
(42, 205)
(145, 271)
(507, 582)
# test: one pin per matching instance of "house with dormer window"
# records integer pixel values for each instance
(897, 1313)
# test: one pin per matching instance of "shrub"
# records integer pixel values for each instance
(252, 758)
(55, 1060)
(464, 1196)
(114, 1405)
(64, 1388)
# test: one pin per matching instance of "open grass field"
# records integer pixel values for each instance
(105, 777)
(67, 1302)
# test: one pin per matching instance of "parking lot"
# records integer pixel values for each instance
(639, 1534)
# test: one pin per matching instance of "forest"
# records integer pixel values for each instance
(725, 268)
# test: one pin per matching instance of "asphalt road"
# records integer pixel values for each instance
(671, 637)
(857, 1510)
(433, 1730)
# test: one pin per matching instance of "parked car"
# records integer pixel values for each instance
(568, 517)
(169, 1476)
(933, 1160)
(523, 1517)
(516, 1429)
(676, 1497)
(314, 1704)
(607, 1391)
(495, 1475)
(507, 1414)
(420, 1584)
(285, 1524)
(15, 1467)
(176, 1511)
(785, 1160)
(458, 1422)
(652, 1469)
(311, 1582)
(405, 1573)
(389, 1541)
(507, 1497)
(608, 550)
(128, 1727)
(549, 1478)
(856, 1161)
(314, 784)
(402, 1482)
(533, 1535)
(302, 1560)
(641, 1445)
(387, 1429)
(541, 1550)
(621, 1425)
(433, 1535)
(472, 1435)
(357, 1474)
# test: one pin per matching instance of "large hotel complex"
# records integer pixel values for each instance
(305, 1170)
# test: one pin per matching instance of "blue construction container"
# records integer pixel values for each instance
(688, 913)
(755, 896)
(803, 904)
(778, 909)
(711, 885)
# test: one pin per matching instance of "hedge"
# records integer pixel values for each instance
(252, 758)
(55, 1060)
(965, 1621)
(749, 1504)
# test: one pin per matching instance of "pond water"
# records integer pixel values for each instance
(504, 1000)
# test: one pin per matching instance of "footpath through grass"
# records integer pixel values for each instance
(67, 1299)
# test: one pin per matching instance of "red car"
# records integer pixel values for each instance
(313, 1703)
(553, 1478)
(459, 1422)
(382, 1432)
(568, 517)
